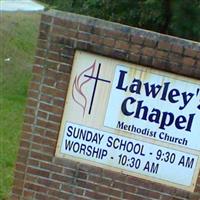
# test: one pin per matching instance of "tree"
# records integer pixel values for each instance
(174, 17)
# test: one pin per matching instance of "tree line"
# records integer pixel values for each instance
(179, 18)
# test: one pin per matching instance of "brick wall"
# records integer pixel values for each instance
(38, 173)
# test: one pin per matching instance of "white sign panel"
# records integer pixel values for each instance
(132, 119)
(155, 106)
(128, 154)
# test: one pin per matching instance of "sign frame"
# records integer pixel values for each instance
(69, 116)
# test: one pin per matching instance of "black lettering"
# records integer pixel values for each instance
(121, 81)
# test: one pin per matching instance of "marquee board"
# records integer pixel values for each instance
(132, 119)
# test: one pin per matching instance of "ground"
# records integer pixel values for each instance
(18, 35)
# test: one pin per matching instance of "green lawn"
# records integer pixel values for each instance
(18, 35)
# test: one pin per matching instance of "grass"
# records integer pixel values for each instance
(18, 34)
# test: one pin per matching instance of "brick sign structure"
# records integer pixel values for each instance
(133, 136)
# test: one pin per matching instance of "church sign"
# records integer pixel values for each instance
(132, 119)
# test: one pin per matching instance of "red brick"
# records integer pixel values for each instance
(29, 119)
(148, 51)
(135, 58)
(45, 107)
(50, 73)
(41, 53)
(40, 196)
(51, 167)
(159, 63)
(34, 86)
(150, 42)
(197, 65)
(46, 18)
(43, 141)
(198, 55)
(59, 194)
(42, 114)
(161, 54)
(34, 163)
(136, 39)
(136, 49)
(28, 194)
(115, 34)
(66, 68)
(30, 111)
(96, 39)
(23, 152)
(188, 61)
(99, 179)
(65, 162)
(122, 45)
(32, 102)
(42, 44)
(26, 135)
(43, 35)
(39, 130)
(70, 171)
(166, 197)
(119, 54)
(54, 118)
(53, 126)
(164, 45)
(148, 193)
(95, 195)
(37, 172)
(190, 52)
(42, 123)
(21, 158)
(36, 78)
(72, 189)
(177, 58)
(108, 42)
(177, 49)
(51, 134)
(40, 156)
(49, 82)
(109, 191)
(49, 150)
(19, 175)
(64, 23)
(31, 178)
(86, 184)
(83, 36)
(33, 94)
(37, 69)
(15, 197)
(63, 178)
(137, 181)
(93, 170)
(85, 27)
(194, 196)
(146, 60)
(130, 196)
(39, 61)
(114, 198)
(62, 86)
(59, 103)
(50, 183)
(24, 143)
(18, 183)
(34, 187)
(45, 98)
(17, 191)
(196, 73)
